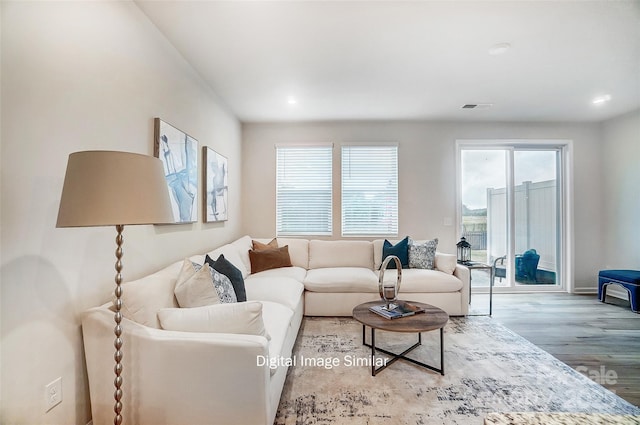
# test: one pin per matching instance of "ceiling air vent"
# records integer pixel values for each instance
(477, 105)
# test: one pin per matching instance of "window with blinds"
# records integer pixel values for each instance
(303, 190)
(369, 190)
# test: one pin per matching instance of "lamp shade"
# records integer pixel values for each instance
(106, 188)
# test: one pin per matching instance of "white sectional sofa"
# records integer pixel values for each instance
(220, 378)
(342, 274)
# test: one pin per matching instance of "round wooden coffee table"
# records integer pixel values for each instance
(433, 318)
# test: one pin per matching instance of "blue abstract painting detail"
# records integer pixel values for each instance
(216, 186)
(179, 154)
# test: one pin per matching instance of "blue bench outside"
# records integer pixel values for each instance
(628, 279)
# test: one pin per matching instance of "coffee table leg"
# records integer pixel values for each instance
(395, 356)
(442, 351)
(373, 352)
(372, 345)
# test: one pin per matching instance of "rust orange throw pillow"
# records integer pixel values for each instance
(267, 259)
(259, 246)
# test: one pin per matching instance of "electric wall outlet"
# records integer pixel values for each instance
(447, 221)
(52, 394)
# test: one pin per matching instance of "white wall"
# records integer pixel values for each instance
(80, 76)
(427, 175)
(621, 200)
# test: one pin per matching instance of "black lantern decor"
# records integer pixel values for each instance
(464, 251)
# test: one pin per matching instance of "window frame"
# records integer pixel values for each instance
(329, 214)
(394, 232)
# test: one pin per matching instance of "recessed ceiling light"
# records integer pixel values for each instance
(499, 49)
(477, 105)
(291, 100)
(601, 99)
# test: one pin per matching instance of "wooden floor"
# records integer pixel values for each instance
(599, 340)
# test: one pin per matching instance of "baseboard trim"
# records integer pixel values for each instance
(612, 291)
(585, 291)
(90, 422)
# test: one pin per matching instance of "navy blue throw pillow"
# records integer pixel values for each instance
(400, 250)
(224, 266)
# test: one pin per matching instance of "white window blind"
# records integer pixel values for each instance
(369, 190)
(303, 190)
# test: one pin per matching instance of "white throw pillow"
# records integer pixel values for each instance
(142, 298)
(195, 288)
(446, 262)
(234, 318)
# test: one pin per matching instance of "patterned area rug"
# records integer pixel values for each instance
(488, 368)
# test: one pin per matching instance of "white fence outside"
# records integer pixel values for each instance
(535, 221)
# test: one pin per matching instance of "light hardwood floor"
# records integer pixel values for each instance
(600, 340)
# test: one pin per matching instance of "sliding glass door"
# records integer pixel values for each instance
(511, 212)
(536, 213)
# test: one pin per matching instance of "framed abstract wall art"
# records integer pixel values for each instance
(215, 187)
(179, 154)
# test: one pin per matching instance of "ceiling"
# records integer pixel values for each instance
(410, 60)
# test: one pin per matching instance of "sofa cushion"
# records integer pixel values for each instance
(236, 318)
(225, 267)
(298, 251)
(266, 259)
(194, 286)
(424, 280)
(142, 298)
(277, 319)
(422, 255)
(400, 250)
(293, 272)
(242, 247)
(283, 290)
(446, 262)
(341, 279)
(340, 254)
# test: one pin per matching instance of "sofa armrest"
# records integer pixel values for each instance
(176, 377)
(464, 274)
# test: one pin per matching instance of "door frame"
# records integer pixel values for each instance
(566, 266)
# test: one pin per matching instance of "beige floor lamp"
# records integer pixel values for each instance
(106, 188)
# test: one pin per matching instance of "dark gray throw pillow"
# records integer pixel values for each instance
(400, 250)
(224, 266)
